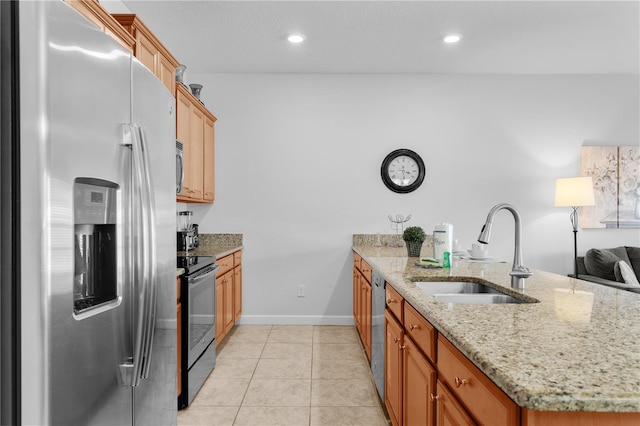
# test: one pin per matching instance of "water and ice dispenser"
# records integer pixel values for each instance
(95, 265)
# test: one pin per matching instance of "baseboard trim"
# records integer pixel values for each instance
(295, 320)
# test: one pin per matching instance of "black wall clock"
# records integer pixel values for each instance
(402, 171)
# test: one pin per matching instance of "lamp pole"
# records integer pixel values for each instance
(574, 222)
(574, 193)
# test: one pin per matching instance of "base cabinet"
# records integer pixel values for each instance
(362, 301)
(394, 337)
(228, 293)
(418, 387)
(449, 412)
(429, 382)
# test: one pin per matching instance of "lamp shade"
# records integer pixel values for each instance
(574, 192)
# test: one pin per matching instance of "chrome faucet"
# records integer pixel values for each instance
(518, 272)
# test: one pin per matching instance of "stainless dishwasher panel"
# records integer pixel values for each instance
(377, 332)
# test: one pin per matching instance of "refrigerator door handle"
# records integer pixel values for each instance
(150, 233)
(136, 368)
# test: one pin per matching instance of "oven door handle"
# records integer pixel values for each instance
(197, 279)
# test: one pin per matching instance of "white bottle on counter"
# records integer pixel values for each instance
(442, 240)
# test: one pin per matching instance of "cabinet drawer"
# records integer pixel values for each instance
(237, 258)
(482, 398)
(366, 271)
(226, 264)
(357, 261)
(448, 409)
(394, 302)
(421, 332)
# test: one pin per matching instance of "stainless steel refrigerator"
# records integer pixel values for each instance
(94, 195)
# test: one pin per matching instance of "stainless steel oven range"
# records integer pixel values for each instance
(198, 298)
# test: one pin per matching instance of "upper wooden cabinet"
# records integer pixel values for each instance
(195, 129)
(98, 15)
(150, 51)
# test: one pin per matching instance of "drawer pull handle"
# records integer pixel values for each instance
(413, 327)
(434, 397)
(460, 382)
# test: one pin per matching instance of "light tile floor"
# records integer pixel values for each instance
(288, 375)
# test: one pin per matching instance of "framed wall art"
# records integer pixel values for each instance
(615, 171)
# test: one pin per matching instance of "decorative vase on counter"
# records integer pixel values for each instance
(195, 89)
(180, 73)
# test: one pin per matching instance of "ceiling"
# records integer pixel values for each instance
(499, 37)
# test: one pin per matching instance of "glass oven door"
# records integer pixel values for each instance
(201, 312)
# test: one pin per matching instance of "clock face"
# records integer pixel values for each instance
(402, 171)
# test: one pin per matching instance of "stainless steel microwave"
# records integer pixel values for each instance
(179, 167)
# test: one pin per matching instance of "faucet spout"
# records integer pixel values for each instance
(518, 272)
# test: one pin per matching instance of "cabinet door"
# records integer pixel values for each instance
(146, 52)
(166, 72)
(194, 166)
(419, 383)
(219, 310)
(449, 412)
(393, 368)
(366, 316)
(356, 298)
(183, 128)
(227, 281)
(209, 158)
(237, 293)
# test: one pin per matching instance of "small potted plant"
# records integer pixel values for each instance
(414, 236)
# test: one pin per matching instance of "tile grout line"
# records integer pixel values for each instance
(251, 378)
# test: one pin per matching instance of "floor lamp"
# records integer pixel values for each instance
(575, 193)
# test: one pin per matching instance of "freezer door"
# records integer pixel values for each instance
(74, 97)
(154, 112)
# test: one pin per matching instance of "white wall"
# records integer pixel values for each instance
(298, 170)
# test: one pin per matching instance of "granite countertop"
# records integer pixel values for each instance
(217, 245)
(577, 349)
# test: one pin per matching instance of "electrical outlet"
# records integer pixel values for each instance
(300, 290)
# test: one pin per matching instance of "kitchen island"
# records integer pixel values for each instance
(575, 348)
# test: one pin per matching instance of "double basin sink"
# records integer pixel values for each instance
(466, 292)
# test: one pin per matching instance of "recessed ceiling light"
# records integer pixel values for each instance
(452, 38)
(295, 38)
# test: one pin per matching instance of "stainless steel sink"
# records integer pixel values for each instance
(477, 298)
(455, 287)
(465, 292)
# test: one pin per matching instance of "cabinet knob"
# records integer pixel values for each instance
(460, 382)
(434, 397)
(396, 340)
(390, 301)
(401, 347)
(412, 327)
